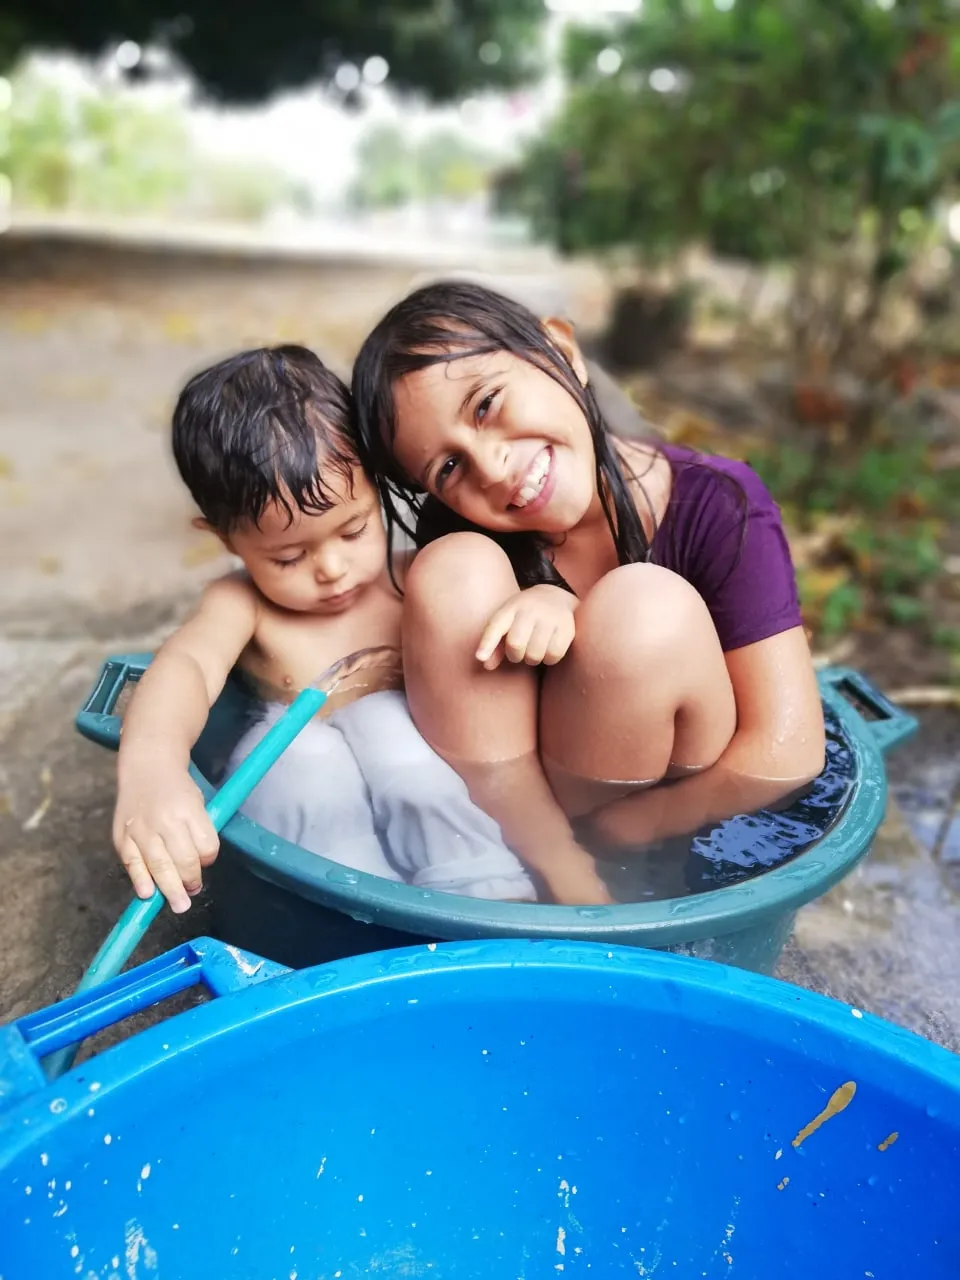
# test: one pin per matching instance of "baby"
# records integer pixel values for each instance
(264, 443)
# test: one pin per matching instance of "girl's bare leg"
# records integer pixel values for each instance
(485, 722)
(642, 695)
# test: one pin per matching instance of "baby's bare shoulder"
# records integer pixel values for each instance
(227, 603)
(235, 588)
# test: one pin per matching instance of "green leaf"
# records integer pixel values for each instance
(843, 606)
(947, 122)
(905, 610)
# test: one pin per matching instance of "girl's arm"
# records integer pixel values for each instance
(160, 827)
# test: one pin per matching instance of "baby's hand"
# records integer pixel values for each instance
(163, 833)
(534, 626)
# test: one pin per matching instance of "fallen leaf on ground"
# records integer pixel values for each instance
(30, 322)
(16, 495)
(178, 327)
(202, 552)
(40, 812)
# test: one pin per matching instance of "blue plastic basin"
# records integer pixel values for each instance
(509, 1110)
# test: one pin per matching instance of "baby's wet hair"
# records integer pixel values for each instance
(268, 426)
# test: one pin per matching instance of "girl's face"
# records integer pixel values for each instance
(499, 441)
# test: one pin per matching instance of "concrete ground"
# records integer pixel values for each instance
(97, 556)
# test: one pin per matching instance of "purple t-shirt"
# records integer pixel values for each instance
(722, 532)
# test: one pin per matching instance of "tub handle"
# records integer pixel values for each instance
(888, 724)
(23, 1044)
(96, 720)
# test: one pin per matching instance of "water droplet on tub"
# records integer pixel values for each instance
(593, 913)
(58, 1105)
(682, 906)
(734, 1115)
(343, 875)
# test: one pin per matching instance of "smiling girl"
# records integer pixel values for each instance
(588, 616)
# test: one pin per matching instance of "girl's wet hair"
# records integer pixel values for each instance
(265, 426)
(446, 321)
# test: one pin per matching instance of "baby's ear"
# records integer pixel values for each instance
(560, 332)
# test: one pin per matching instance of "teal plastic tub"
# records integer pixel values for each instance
(296, 907)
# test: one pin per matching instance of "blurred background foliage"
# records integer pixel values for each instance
(769, 190)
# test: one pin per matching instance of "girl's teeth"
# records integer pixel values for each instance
(535, 480)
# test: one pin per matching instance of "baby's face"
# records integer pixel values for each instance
(317, 563)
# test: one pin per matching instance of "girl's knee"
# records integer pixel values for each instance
(457, 561)
(643, 615)
(459, 580)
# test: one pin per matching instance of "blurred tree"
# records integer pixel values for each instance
(244, 51)
(36, 150)
(128, 157)
(394, 171)
(450, 167)
(110, 151)
(103, 151)
(387, 176)
(821, 132)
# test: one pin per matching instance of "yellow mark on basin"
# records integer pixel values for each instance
(888, 1141)
(839, 1101)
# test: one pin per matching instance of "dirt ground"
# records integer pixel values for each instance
(97, 556)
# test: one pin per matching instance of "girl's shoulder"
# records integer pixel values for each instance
(715, 480)
(722, 531)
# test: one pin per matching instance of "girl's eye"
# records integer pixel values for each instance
(354, 534)
(286, 564)
(445, 471)
(485, 405)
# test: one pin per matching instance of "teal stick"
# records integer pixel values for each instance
(128, 932)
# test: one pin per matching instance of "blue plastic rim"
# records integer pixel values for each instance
(493, 1109)
(763, 906)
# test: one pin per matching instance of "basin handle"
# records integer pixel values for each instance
(96, 720)
(25, 1043)
(888, 724)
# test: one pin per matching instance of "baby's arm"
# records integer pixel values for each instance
(160, 828)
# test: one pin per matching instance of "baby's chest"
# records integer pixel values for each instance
(291, 654)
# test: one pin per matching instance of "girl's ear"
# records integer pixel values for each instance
(560, 333)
